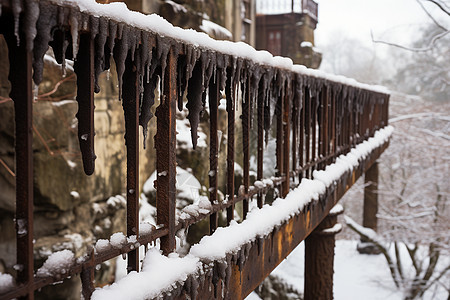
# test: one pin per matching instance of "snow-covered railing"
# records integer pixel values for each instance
(315, 118)
(272, 7)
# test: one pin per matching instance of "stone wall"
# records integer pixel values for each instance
(72, 210)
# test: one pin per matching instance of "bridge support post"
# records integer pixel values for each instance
(319, 257)
(370, 208)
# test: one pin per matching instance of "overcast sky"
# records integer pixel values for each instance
(393, 20)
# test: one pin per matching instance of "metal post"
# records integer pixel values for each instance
(319, 258)
(130, 104)
(165, 142)
(214, 98)
(20, 74)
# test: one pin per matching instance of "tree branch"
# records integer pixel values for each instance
(423, 49)
(430, 16)
(370, 235)
(438, 4)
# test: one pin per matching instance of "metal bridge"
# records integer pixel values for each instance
(316, 120)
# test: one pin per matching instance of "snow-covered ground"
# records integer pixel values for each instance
(356, 276)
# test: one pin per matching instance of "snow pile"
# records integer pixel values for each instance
(226, 240)
(346, 163)
(59, 263)
(6, 282)
(118, 240)
(159, 274)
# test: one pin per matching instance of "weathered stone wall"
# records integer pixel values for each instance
(71, 209)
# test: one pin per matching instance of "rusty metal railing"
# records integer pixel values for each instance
(316, 119)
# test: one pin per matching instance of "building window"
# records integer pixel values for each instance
(274, 42)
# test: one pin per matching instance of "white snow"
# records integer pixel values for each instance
(57, 263)
(6, 282)
(102, 245)
(118, 240)
(306, 44)
(335, 229)
(356, 276)
(158, 274)
(146, 228)
(214, 29)
(259, 223)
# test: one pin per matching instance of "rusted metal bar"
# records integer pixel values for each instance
(246, 142)
(84, 69)
(230, 96)
(302, 134)
(287, 138)
(20, 74)
(314, 140)
(214, 98)
(260, 112)
(295, 105)
(130, 102)
(319, 259)
(308, 102)
(87, 277)
(279, 149)
(165, 143)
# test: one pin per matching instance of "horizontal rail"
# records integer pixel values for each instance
(313, 117)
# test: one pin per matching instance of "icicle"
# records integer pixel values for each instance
(99, 63)
(17, 9)
(120, 55)
(163, 48)
(35, 92)
(45, 24)
(132, 42)
(31, 17)
(146, 53)
(112, 35)
(148, 100)
(74, 29)
(194, 104)
(194, 288)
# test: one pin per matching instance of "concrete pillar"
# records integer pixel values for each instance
(319, 257)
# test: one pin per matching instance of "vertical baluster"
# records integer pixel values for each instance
(20, 74)
(246, 142)
(286, 134)
(130, 104)
(314, 108)
(230, 94)
(260, 112)
(295, 106)
(165, 143)
(307, 131)
(333, 125)
(325, 140)
(214, 98)
(279, 149)
(84, 69)
(302, 133)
